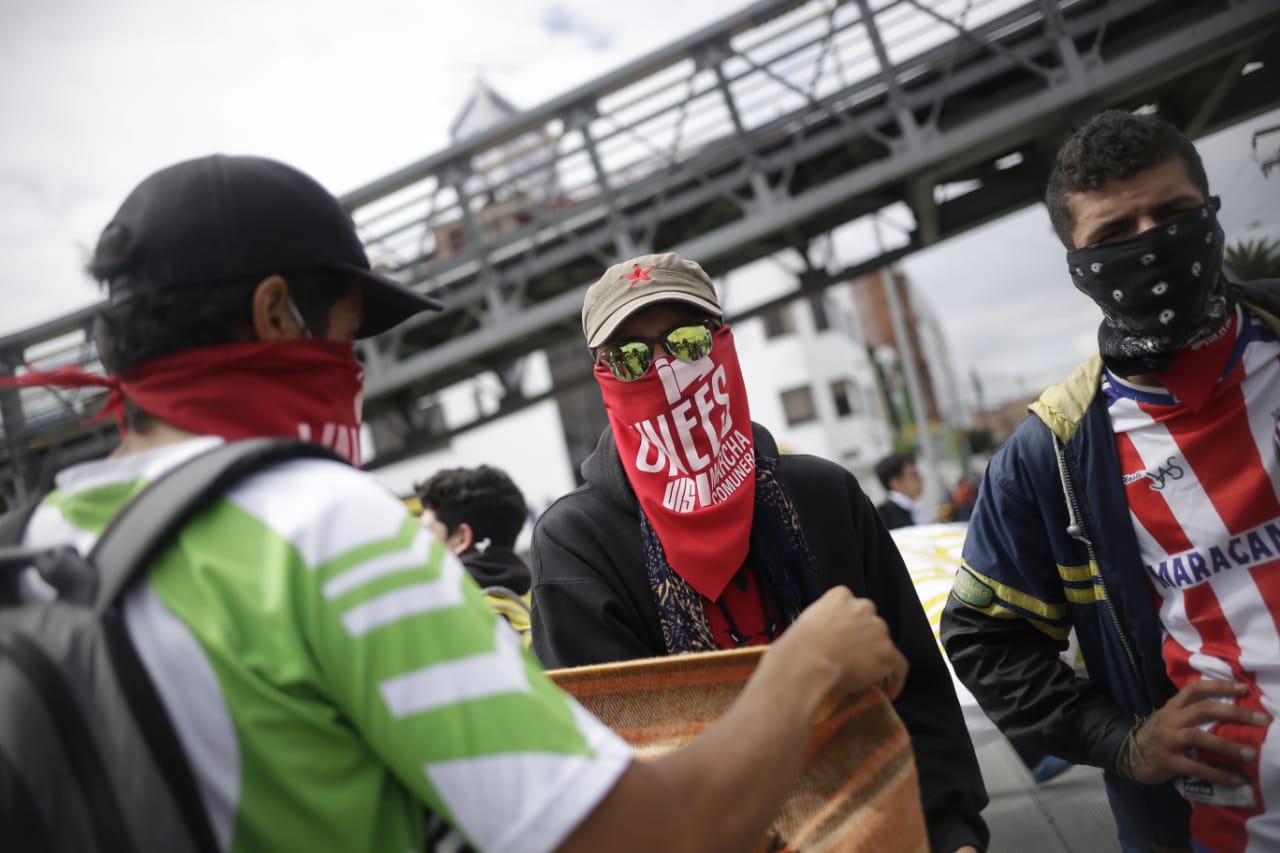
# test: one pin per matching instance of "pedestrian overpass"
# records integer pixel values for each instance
(761, 132)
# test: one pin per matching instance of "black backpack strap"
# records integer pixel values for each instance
(157, 730)
(24, 826)
(145, 525)
(13, 524)
(13, 529)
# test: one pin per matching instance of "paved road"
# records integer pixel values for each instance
(1068, 814)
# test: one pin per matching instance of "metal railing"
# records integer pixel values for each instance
(760, 132)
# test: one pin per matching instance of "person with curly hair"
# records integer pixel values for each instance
(1139, 503)
(478, 513)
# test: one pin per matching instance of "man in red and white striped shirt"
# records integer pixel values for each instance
(1146, 515)
(1202, 487)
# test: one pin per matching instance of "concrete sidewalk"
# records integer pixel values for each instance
(1067, 814)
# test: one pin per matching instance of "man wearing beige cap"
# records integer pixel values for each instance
(692, 533)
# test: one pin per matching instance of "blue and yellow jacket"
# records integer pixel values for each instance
(1051, 547)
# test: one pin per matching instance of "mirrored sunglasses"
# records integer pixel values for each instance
(630, 360)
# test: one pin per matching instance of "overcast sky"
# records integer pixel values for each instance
(96, 94)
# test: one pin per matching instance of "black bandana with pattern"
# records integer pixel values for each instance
(785, 567)
(1159, 291)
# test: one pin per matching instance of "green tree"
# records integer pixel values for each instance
(1253, 259)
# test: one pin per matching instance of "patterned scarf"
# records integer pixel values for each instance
(784, 565)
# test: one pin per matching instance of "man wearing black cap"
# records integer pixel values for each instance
(207, 265)
(329, 670)
(692, 533)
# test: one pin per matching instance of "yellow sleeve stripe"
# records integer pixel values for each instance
(1057, 632)
(1019, 599)
(1086, 595)
(1082, 584)
(1077, 573)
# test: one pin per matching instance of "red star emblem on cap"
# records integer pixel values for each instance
(637, 275)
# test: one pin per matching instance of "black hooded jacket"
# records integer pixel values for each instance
(497, 566)
(592, 604)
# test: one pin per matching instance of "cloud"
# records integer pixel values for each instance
(558, 21)
(562, 21)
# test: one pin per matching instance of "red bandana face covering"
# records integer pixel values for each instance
(310, 389)
(683, 431)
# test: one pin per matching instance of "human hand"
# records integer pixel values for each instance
(1159, 748)
(845, 631)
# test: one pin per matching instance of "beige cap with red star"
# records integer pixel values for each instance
(627, 287)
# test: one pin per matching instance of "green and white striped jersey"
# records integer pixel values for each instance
(330, 668)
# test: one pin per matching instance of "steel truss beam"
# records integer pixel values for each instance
(764, 131)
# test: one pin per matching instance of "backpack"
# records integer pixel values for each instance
(89, 760)
(513, 607)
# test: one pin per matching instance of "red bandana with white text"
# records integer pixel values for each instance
(310, 389)
(684, 435)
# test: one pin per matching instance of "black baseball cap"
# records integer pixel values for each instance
(224, 218)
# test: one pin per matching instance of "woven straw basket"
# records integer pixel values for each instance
(858, 791)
